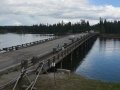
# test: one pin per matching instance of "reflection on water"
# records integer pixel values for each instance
(10, 39)
(102, 62)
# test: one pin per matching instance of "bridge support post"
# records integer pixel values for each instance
(77, 52)
(61, 65)
(71, 59)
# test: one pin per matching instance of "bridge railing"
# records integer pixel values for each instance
(17, 47)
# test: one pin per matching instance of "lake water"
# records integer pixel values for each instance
(102, 62)
(11, 39)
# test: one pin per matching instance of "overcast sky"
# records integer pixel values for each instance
(28, 12)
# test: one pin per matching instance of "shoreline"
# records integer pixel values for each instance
(114, 36)
(73, 82)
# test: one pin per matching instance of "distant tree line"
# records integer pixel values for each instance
(108, 27)
(59, 28)
(104, 26)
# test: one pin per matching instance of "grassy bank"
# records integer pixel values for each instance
(72, 82)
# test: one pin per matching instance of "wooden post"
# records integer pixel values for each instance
(71, 58)
(61, 65)
(24, 64)
(53, 65)
(77, 53)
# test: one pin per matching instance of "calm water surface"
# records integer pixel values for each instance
(11, 39)
(102, 62)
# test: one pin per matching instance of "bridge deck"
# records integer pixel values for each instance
(14, 57)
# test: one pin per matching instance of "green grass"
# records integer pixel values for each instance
(72, 82)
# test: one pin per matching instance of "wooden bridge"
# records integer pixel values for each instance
(40, 57)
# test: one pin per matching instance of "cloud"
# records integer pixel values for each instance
(28, 12)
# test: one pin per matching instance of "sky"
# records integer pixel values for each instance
(29, 12)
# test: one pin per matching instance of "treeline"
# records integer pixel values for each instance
(108, 27)
(59, 28)
(103, 26)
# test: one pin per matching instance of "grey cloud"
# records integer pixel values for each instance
(50, 11)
